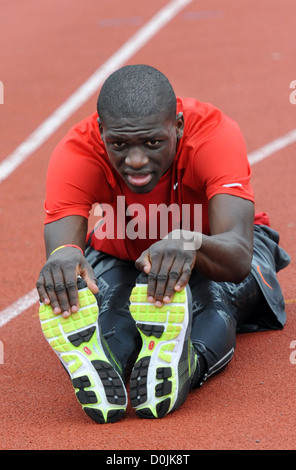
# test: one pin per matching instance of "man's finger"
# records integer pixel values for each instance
(89, 277)
(143, 263)
(173, 278)
(184, 277)
(50, 291)
(43, 297)
(153, 277)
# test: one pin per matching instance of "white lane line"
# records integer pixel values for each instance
(18, 307)
(272, 147)
(91, 86)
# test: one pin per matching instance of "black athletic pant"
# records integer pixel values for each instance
(218, 309)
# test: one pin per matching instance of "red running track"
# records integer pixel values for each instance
(239, 56)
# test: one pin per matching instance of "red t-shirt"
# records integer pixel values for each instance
(211, 158)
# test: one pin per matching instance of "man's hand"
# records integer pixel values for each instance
(57, 283)
(169, 264)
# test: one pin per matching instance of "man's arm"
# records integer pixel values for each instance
(57, 283)
(225, 255)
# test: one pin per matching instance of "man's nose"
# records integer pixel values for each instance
(136, 158)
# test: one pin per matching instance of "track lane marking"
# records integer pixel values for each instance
(272, 147)
(18, 307)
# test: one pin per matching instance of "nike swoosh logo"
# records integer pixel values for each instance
(261, 275)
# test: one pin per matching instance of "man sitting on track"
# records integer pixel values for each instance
(177, 265)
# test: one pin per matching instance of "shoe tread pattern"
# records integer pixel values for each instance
(159, 326)
(99, 389)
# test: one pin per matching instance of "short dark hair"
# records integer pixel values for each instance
(136, 91)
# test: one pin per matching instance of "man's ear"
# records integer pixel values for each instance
(100, 127)
(179, 125)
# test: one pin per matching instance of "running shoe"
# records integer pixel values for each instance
(83, 352)
(161, 377)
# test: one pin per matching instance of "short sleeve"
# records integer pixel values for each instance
(78, 175)
(220, 163)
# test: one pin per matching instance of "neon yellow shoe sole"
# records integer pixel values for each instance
(160, 378)
(79, 346)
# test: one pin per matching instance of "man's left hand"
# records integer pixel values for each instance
(168, 264)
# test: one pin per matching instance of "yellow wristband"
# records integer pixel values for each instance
(64, 246)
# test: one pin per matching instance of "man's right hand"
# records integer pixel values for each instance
(57, 283)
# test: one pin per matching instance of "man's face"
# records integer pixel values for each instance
(141, 150)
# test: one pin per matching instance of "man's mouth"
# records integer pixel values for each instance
(139, 180)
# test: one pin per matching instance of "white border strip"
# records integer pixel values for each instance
(88, 88)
